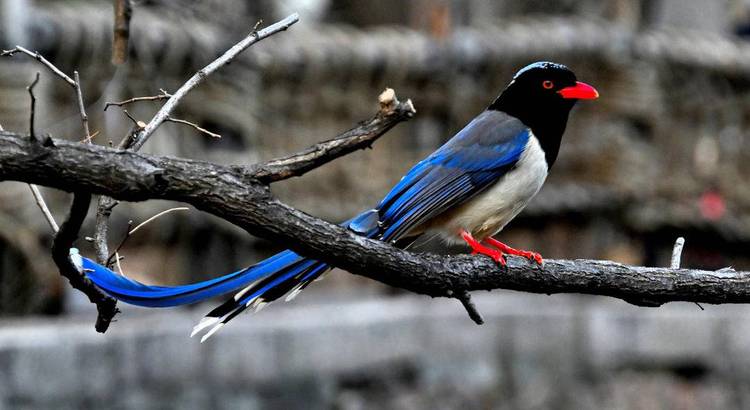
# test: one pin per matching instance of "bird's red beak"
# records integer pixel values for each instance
(580, 91)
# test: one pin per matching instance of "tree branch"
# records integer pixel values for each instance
(66, 236)
(43, 207)
(32, 111)
(104, 207)
(193, 125)
(123, 12)
(75, 83)
(43, 61)
(81, 107)
(159, 97)
(362, 136)
(238, 197)
(141, 133)
(165, 111)
(465, 298)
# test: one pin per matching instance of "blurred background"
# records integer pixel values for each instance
(665, 152)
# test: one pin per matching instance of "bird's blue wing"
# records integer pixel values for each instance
(468, 163)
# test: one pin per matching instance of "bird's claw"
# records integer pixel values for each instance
(477, 248)
(497, 250)
(532, 257)
(496, 256)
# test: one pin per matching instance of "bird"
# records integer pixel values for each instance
(466, 191)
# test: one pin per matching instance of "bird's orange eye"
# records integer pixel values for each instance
(548, 84)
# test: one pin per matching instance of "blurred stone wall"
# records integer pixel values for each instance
(409, 352)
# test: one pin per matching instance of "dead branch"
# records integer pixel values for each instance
(165, 111)
(67, 234)
(239, 198)
(38, 57)
(44, 208)
(159, 97)
(104, 208)
(129, 232)
(32, 112)
(115, 256)
(141, 132)
(123, 12)
(75, 83)
(677, 253)
(64, 240)
(195, 126)
(391, 112)
(81, 107)
(465, 298)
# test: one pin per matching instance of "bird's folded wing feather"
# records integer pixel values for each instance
(471, 161)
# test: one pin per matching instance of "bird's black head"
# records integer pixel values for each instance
(541, 96)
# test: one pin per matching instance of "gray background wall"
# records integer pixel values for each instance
(403, 352)
(649, 161)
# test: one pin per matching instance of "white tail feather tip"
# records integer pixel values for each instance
(293, 294)
(260, 306)
(211, 332)
(204, 323)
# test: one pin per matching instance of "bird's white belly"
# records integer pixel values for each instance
(487, 213)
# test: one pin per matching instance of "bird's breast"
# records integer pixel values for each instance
(488, 212)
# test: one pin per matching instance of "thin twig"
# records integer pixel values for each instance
(196, 126)
(119, 265)
(32, 113)
(160, 214)
(115, 256)
(43, 206)
(677, 256)
(138, 123)
(677, 253)
(200, 76)
(130, 231)
(35, 55)
(160, 97)
(90, 137)
(126, 142)
(82, 108)
(75, 83)
(123, 12)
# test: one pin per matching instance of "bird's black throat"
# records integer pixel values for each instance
(546, 117)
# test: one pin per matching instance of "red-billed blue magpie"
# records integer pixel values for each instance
(468, 189)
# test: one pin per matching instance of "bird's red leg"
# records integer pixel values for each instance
(532, 256)
(476, 247)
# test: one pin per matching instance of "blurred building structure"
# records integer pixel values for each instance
(664, 153)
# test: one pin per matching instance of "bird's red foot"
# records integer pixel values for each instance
(532, 256)
(476, 247)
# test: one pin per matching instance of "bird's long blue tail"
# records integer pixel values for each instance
(261, 283)
(284, 273)
(136, 293)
